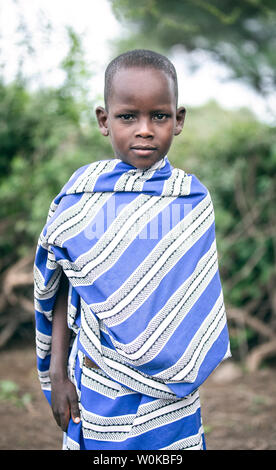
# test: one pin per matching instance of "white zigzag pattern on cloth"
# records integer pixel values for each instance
(188, 443)
(186, 293)
(42, 291)
(107, 360)
(114, 242)
(129, 425)
(179, 183)
(43, 343)
(96, 380)
(70, 444)
(187, 366)
(134, 180)
(87, 180)
(160, 329)
(164, 255)
(73, 221)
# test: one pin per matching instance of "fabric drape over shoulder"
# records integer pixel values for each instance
(145, 298)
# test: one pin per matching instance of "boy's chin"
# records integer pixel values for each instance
(141, 163)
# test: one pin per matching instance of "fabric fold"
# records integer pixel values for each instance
(145, 300)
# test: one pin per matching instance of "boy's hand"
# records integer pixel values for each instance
(64, 401)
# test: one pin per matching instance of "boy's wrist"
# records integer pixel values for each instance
(58, 374)
(58, 377)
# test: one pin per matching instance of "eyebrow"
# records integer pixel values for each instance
(126, 109)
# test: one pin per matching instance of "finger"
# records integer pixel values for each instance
(56, 413)
(57, 418)
(64, 420)
(75, 411)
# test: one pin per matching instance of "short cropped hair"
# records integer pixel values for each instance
(138, 58)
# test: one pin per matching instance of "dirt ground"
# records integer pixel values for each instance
(238, 410)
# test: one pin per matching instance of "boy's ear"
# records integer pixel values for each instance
(180, 118)
(101, 114)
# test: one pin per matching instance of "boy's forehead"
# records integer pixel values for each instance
(131, 83)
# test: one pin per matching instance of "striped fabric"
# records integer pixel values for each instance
(145, 303)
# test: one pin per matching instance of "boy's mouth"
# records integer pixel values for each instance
(143, 150)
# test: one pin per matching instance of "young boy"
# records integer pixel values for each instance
(129, 252)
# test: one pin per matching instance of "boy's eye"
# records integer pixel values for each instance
(126, 117)
(160, 116)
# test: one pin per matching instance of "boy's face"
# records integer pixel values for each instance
(142, 117)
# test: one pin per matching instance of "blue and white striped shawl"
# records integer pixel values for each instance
(145, 298)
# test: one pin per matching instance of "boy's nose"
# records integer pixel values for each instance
(144, 129)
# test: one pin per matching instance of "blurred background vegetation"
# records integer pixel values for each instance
(47, 133)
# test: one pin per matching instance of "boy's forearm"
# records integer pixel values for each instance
(64, 398)
(60, 334)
